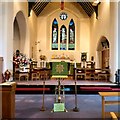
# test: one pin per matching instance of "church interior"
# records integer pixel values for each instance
(58, 49)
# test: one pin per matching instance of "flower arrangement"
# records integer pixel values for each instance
(21, 60)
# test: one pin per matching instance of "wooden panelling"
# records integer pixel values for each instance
(8, 100)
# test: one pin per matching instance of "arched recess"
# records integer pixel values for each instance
(19, 32)
(103, 52)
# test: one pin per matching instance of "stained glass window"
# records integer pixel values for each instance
(63, 42)
(63, 38)
(63, 16)
(71, 44)
(55, 35)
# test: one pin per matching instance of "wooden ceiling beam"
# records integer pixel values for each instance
(39, 5)
(43, 5)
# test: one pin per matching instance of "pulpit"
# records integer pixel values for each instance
(7, 101)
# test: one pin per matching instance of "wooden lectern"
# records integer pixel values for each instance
(7, 100)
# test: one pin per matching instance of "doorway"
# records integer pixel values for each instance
(103, 50)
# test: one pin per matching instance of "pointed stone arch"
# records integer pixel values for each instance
(103, 52)
(19, 31)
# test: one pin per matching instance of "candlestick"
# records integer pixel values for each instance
(75, 65)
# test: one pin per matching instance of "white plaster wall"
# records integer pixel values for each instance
(7, 15)
(119, 35)
(105, 25)
(82, 26)
(32, 20)
(114, 39)
(85, 37)
(1, 28)
(7, 43)
(23, 24)
(100, 27)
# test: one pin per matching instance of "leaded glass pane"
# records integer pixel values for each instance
(63, 38)
(55, 35)
(71, 45)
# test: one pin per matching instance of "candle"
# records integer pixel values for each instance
(44, 64)
(75, 65)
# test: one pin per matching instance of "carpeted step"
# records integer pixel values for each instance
(32, 89)
(95, 88)
(116, 89)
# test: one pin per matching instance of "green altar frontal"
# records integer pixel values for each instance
(59, 69)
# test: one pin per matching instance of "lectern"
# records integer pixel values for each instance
(59, 72)
(7, 100)
(59, 104)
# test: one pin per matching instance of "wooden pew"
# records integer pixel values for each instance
(107, 102)
(113, 115)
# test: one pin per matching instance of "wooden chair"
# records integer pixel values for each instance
(35, 75)
(24, 73)
(80, 72)
(90, 76)
(103, 75)
(44, 75)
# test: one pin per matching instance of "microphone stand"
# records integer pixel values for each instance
(76, 109)
(43, 106)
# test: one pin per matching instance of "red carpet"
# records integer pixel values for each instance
(96, 88)
(32, 89)
(116, 89)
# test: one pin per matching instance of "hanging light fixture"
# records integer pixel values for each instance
(62, 4)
